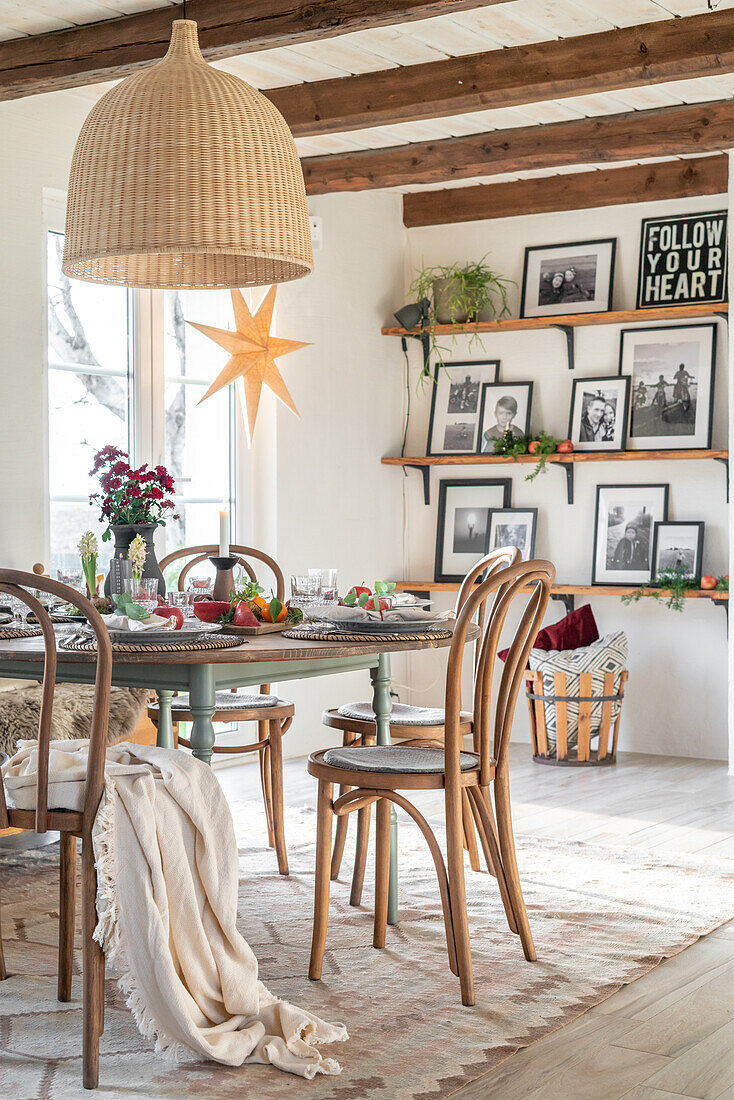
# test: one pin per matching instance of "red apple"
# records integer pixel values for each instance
(166, 612)
(708, 582)
(370, 605)
(243, 615)
(359, 590)
(565, 447)
(532, 446)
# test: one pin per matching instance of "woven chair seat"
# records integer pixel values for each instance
(401, 715)
(228, 700)
(392, 759)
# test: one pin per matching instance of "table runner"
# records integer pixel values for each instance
(167, 873)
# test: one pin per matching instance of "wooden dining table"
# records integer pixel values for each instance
(263, 659)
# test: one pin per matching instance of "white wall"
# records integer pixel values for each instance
(677, 694)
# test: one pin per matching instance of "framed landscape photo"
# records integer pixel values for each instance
(598, 420)
(464, 510)
(682, 260)
(568, 278)
(455, 406)
(623, 532)
(513, 527)
(671, 372)
(678, 548)
(505, 407)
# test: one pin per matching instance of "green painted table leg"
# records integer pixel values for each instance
(382, 705)
(164, 738)
(202, 701)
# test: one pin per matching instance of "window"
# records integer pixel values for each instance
(90, 398)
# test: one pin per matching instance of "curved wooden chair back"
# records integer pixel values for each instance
(486, 567)
(492, 733)
(13, 582)
(199, 554)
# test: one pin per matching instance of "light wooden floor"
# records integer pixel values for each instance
(668, 1035)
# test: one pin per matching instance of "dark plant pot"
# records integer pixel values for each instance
(123, 534)
(443, 291)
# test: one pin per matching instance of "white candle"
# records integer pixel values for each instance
(224, 533)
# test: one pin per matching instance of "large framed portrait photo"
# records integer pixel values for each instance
(464, 512)
(568, 278)
(671, 372)
(623, 532)
(505, 408)
(453, 427)
(598, 420)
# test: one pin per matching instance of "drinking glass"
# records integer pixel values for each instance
(200, 586)
(21, 611)
(305, 590)
(327, 579)
(184, 601)
(144, 592)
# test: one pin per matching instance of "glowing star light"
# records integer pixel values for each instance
(253, 352)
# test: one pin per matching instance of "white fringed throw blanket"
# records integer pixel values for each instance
(167, 873)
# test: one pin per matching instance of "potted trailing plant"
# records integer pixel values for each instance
(132, 502)
(461, 294)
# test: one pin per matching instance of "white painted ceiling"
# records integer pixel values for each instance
(482, 29)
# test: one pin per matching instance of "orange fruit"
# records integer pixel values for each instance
(263, 607)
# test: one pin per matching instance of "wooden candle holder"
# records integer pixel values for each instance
(224, 580)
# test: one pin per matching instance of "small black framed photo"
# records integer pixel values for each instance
(623, 532)
(505, 408)
(568, 278)
(464, 510)
(678, 548)
(598, 420)
(682, 260)
(671, 371)
(513, 527)
(455, 406)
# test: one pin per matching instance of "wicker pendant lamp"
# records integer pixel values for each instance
(185, 176)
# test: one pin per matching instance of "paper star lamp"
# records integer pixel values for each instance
(253, 352)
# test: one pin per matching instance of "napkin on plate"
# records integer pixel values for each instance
(153, 622)
(335, 612)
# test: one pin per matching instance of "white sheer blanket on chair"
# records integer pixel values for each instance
(166, 859)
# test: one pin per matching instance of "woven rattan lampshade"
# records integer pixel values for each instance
(185, 176)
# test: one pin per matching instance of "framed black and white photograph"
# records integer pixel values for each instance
(464, 510)
(568, 278)
(671, 372)
(505, 407)
(678, 548)
(513, 527)
(598, 420)
(682, 260)
(623, 532)
(455, 406)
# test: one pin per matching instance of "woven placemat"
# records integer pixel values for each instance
(11, 633)
(89, 645)
(58, 619)
(325, 634)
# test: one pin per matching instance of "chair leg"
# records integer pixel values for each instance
(490, 844)
(67, 912)
(322, 882)
(342, 824)
(509, 863)
(470, 837)
(360, 854)
(264, 754)
(93, 957)
(276, 786)
(457, 888)
(382, 871)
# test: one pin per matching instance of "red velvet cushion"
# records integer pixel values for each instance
(577, 629)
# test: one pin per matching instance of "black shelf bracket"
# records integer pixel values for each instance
(725, 605)
(723, 314)
(425, 340)
(569, 468)
(426, 471)
(568, 331)
(566, 598)
(725, 463)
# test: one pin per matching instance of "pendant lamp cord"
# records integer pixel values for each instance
(184, 8)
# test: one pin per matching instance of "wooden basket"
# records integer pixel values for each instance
(582, 753)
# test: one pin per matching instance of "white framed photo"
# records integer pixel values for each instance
(464, 509)
(455, 406)
(598, 420)
(513, 527)
(623, 532)
(568, 278)
(671, 372)
(678, 548)
(505, 408)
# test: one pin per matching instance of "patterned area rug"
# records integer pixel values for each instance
(601, 918)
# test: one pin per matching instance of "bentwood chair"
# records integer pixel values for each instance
(273, 715)
(69, 824)
(379, 774)
(357, 723)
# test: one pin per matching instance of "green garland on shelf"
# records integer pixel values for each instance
(675, 584)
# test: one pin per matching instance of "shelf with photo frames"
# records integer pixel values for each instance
(568, 461)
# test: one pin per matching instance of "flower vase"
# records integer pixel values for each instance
(123, 534)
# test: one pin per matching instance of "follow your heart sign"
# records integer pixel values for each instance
(682, 260)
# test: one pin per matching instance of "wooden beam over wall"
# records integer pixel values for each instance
(94, 52)
(674, 179)
(664, 132)
(674, 49)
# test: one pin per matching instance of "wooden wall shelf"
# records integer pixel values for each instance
(423, 463)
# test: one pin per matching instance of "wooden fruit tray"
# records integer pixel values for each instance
(249, 631)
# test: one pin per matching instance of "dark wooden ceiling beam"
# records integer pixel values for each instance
(674, 49)
(673, 179)
(664, 132)
(116, 47)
